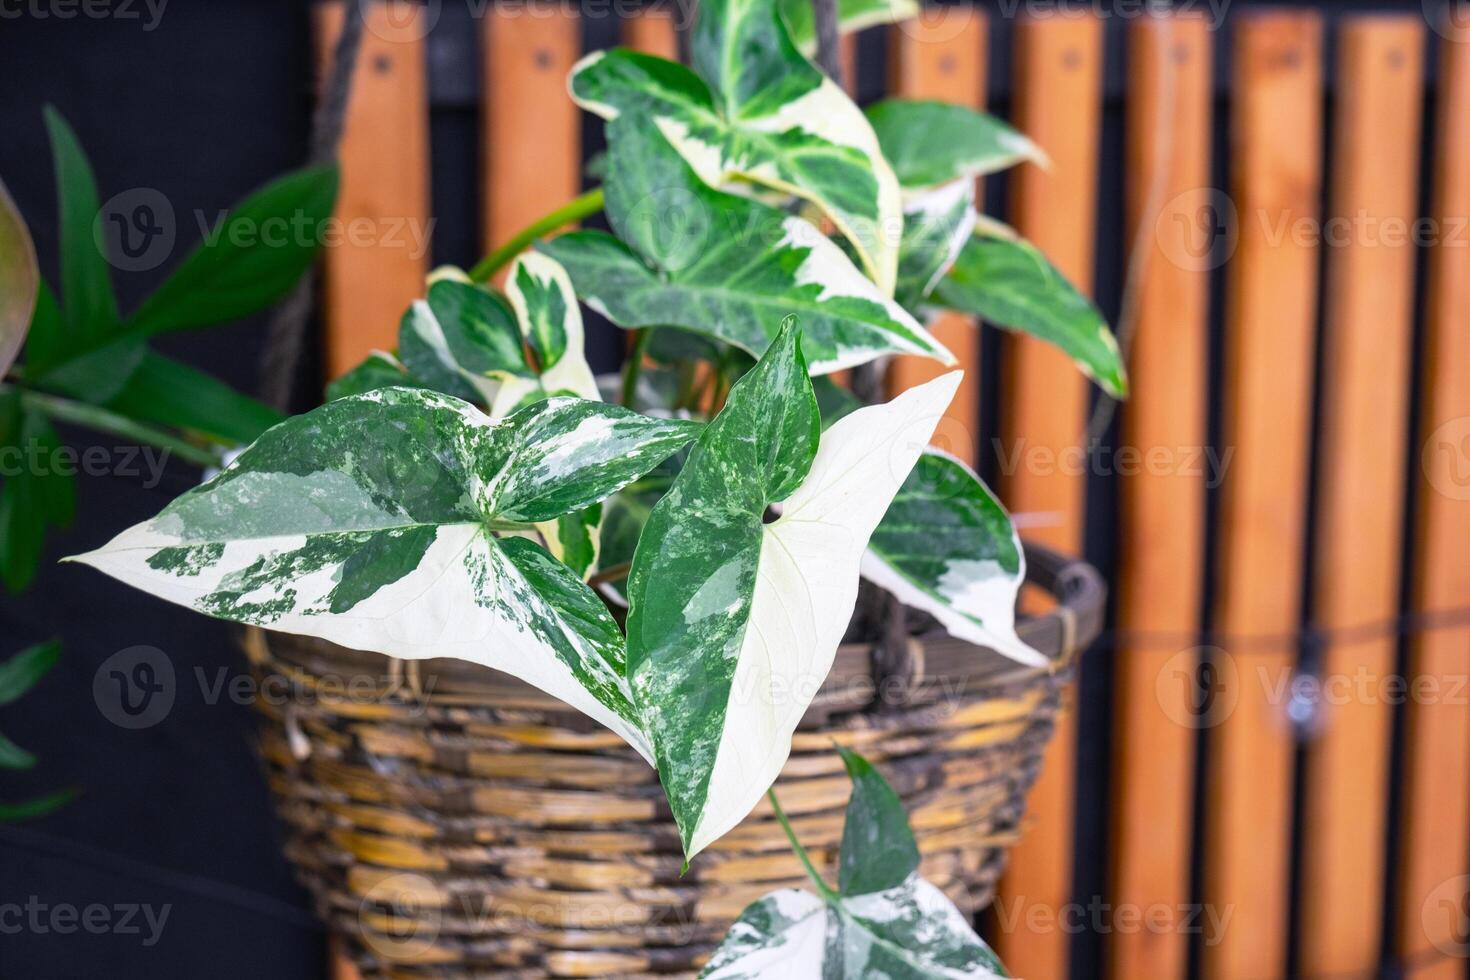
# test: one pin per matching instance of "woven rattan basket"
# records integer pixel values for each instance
(459, 823)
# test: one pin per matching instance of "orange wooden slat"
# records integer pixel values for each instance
(1271, 322)
(369, 281)
(1058, 104)
(651, 30)
(1368, 317)
(532, 150)
(1433, 858)
(942, 55)
(1161, 533)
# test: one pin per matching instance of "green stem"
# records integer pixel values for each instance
(103, 420)
(822, 887)
(573, 211)
(634, 366)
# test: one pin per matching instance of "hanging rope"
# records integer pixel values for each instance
(280, 358)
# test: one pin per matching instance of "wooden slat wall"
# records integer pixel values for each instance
(1270, 347)
(385, 181)
(532, 158)
(1368, 317)
(1436, 791)
(1058, 103)
(651, 31)
(1162, 521)
(943, 56)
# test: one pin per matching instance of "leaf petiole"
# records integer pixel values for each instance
(103, 420)
(823, 888)
(573, 211)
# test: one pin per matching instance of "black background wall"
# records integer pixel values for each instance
(205, 103)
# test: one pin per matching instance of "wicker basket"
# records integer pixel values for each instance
(458, 823)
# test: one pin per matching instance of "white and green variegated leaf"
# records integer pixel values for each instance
(726, 266)
(1009, 283)
(378, 370)
(852, 16)
(726, 607)
(947, 547)
(930, 143)
(550, 322)
(462, 340)
(883, 920)
(762, 114)
(936, 225)
(371, 522)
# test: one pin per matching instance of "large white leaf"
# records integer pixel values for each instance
(733, 621)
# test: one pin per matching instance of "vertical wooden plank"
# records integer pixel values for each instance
(942, 55)
(533, 136)
(1059, 62)
(1162, 519)
(1271, 322)
(651, 30)
(1368, 316)
(367, 284)
(1433, 858)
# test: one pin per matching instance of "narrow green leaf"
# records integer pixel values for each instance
(20, 279)
(878, 849)
(930, 143)
(87, 303)
(21, 672)
(32, 498)
(39, 807)
(248, 261)
(169, 392)
(12, 756)
(1012, 285)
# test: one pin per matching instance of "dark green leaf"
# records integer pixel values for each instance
(21, 672)
(169, 392)
(12, 756)
(931, 143)
(87, 303)
(878, 849)
(250, 260)
(1011, 285)
(39, 807)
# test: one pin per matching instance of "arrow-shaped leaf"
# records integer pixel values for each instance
(725, 265)
(370, 522)
(885, 921)
(726, 608)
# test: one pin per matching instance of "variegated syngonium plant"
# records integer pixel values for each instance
(473, 495)
(882, 919)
